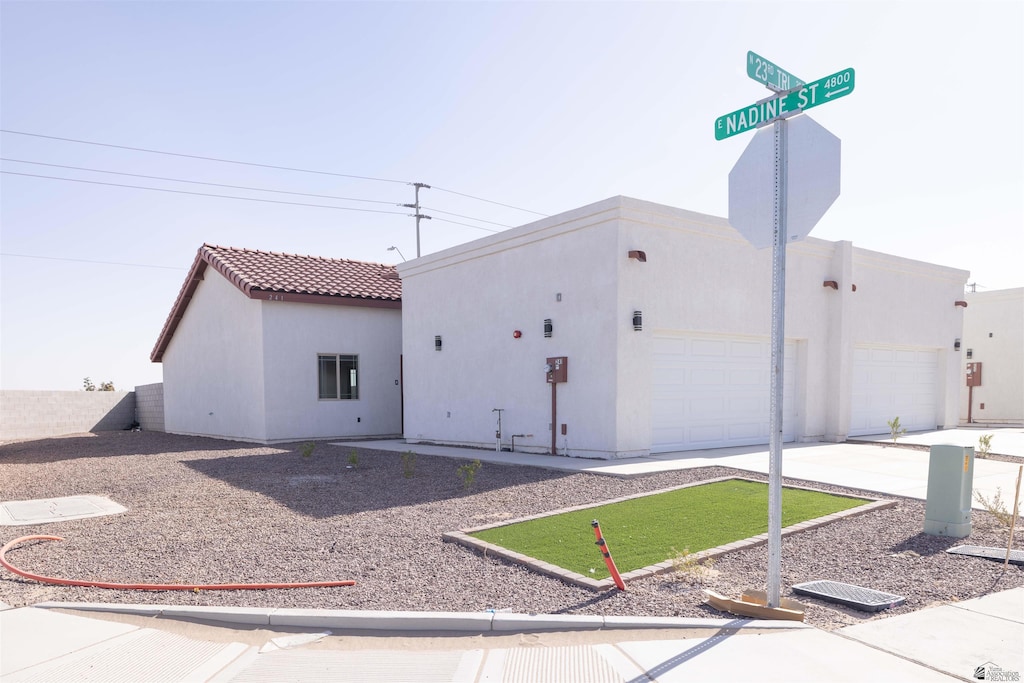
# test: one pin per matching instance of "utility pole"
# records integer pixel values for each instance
(416, 207)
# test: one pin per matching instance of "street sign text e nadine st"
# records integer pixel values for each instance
(839, 84)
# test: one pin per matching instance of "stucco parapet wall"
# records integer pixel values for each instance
(996, 295)
(608, 210)
(463, 538)
(865, 258)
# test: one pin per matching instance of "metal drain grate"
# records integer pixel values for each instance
(864, 599)
(998, 554)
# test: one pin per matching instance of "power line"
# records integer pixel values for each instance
(198, 182)
(449, 213)
(82, 260)
(259, 165)
(205, 194)
(202, 158)
(475, 227)
(490, 201)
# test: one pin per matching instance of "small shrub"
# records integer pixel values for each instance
(468, 472)
(896, 428)
(984, 445)
(408, 464)
(996, 507)
(686, 563)
(353, 458)
(307, 449)
(87, 385)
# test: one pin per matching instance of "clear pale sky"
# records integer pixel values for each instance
(546, 106)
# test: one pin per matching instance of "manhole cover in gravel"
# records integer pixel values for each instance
(997, 554)
(21, 512)
(857, 597)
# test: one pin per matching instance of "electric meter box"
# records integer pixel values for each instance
(950, 486)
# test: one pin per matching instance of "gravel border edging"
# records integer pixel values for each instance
(463, 538)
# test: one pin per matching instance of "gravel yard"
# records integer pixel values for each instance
(210, 511)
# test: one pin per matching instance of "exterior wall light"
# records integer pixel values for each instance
(548, 327)
(437, 343)
(516, 334)
(638, 320)
(640, 256)
(831, 283)
(962, 304)
(956, 345)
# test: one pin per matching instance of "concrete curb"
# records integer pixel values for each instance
(473, 622)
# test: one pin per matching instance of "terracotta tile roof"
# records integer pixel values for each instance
(287, 277)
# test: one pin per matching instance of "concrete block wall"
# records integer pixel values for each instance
(149, 407)
(40, 414)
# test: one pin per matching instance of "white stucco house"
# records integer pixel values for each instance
(269, 347)
(994, 337)
(663, 318)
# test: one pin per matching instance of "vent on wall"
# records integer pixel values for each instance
(548, 327)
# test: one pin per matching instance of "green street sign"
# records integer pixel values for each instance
(839, 84)
(771, 75)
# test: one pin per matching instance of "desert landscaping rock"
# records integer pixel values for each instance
(211, 511)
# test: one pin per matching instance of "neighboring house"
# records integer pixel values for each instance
(270, 347)
(664, 318)
(994, 337)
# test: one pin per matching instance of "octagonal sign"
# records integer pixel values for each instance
(812, 183)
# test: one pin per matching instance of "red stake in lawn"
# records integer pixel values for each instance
(607, 556)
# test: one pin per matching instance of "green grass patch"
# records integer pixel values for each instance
(651, 529)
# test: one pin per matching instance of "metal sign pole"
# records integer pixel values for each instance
(778, 355)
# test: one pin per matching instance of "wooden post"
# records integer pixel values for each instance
(1013, 520)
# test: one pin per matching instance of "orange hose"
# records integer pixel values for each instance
(150, 586)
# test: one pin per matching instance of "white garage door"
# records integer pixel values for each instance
(893, 382)
(711, 391)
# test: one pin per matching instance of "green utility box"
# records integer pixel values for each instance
(950, 485)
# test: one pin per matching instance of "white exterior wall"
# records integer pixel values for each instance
(246, 369)
(475, 296)
(293, 335)
(700, 277)
(999, 313)
(213, 365)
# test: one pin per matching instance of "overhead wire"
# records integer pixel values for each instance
(475, 227)
(200, 182)
(205, 194)
(489, 201)
(261, 165)
(459, 215)
(203, 158)
(82, 260)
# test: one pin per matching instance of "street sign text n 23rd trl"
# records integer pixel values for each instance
(810, 95)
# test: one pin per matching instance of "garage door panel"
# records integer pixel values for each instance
(751, 430)
(747, 377)
(704, 347)
(893, 382)
(725, 392)
(708, 378)
(746, 350)
(707, 409)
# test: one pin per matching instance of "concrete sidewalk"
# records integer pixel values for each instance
(869, 465)
(947, 642)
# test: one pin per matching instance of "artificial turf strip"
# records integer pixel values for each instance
(651, 529)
